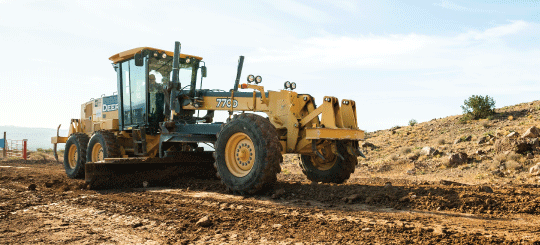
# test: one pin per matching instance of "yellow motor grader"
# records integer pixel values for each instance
(154, 119)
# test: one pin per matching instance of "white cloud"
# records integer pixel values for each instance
(299, 10)
(452, 6)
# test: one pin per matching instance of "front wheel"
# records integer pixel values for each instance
(248, 154)
(332, 169)
(103, 144)
(75, 155)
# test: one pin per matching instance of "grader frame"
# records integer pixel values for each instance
(326, 136)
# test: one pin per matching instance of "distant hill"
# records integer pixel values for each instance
(37, 137)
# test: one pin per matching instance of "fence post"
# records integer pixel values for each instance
(4, 150)
(24, 149)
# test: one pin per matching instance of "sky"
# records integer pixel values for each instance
(399, 60)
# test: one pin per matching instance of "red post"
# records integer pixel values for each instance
(24, 149)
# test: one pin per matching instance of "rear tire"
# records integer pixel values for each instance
(333, 170)
(75, 155)
(248, 154)
(103, 144)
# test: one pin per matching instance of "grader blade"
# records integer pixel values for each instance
(143, 172)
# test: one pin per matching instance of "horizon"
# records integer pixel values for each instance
(398, 60)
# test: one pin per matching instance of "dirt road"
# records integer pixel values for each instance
(39, 204)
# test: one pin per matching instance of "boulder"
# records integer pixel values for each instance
(535, 170)
(456, 159)
(428, 151)
(532, 132)
(517, 145)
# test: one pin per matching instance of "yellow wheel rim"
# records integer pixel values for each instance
(97, 153)
(328, 163)
(239, 154)
(73, 155)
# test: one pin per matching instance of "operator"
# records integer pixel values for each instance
(153, 87)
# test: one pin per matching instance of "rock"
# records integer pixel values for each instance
(530, 156)
(428, 151)
(412, 157)
(481, 140)
(411, 172)
(204, 222)
(468, 138)
(485, 189)
(49, 184)
(512, 135)
(277, 226)
(224, 206)
(458, 140)
(448, 182)
(457, 159)
(532, 132)
(513, 144)
(367, 144)
(480, 152)
(278, 193)
(136, 224)
(32, 187)
(352, 198)
(535, 170)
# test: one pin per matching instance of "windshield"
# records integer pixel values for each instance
(160, 73)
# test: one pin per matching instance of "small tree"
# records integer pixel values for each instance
(478, 106)
(412, 122)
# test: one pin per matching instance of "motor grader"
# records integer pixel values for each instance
(153, 119)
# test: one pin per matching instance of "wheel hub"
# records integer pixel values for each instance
(239, 154)
(97, 153)
(328, 163)
(73, 155)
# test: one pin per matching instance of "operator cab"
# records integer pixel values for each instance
(144, 78)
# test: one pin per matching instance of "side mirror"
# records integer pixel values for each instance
(203, 71)
(139, 61)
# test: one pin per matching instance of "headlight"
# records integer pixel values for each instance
(250, 78)
(293, 85)
(163, 55)
(258, 79)
(155, 54)
(287, 84)
(188, 60)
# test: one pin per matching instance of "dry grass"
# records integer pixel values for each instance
(515, 157)
(500, 158)
(393, 157)
(406, 150)
(513, 165)
(441, 141)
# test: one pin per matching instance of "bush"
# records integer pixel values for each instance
(478, 106)
(412, 122)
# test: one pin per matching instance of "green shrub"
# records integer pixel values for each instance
(412, 122)
(478, 106)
